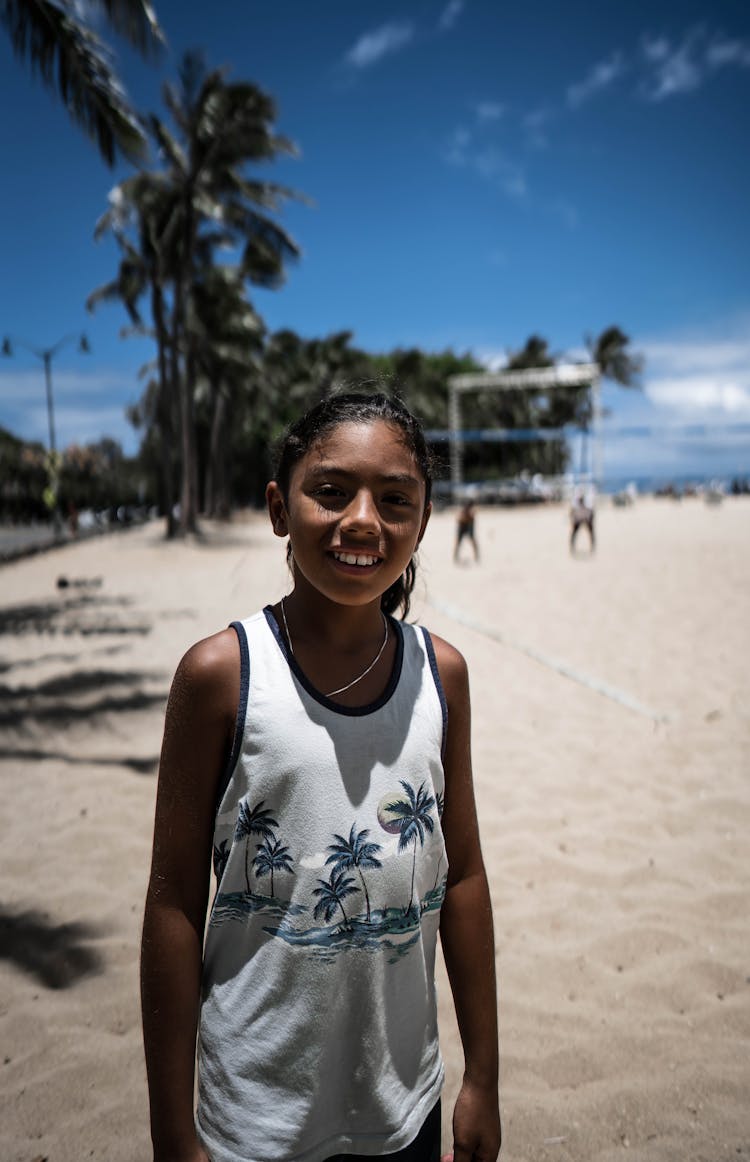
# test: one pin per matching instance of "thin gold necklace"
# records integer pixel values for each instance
(372, 665)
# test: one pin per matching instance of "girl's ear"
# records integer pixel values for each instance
(276, 509)
(425, 518)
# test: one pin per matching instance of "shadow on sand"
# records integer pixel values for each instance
(75, 697)
(139, 766)
(56, 954)
(86, 614)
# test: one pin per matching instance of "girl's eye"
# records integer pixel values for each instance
(327, 492)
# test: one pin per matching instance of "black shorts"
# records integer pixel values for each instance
(424, 1148)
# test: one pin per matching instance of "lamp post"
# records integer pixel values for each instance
(47, 354)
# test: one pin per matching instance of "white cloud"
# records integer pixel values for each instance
(697, 394)
(466, 150)
(666, 68)
(489, 111)
(86, 406)
(676, 72)
(693, 416)
(535, 124)
(450, 14)
(699, 379)
(380, 42)
(698, 354)
(601, 77)
(490, 162)
(676, 69)
(656, 48)
(722, 52)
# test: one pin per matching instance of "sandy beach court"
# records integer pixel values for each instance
(612, 763)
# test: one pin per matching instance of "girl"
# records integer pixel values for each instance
(321, 750)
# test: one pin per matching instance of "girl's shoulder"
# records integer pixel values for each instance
(211, 657)
(209, 674)
(452, 668)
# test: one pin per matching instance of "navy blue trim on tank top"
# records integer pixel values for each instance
(438, 686)
(336, 707)
(239, 723)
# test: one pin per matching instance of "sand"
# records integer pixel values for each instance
(612, 764)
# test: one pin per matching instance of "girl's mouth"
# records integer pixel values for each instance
(363, 560)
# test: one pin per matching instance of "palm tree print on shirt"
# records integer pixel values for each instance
(332, 894)
(272, 856)
(355, 852)
(220, 860)
(411, 818)
(256, 820)
(440, 804)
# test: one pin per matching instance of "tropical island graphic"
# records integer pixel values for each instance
(343, 912)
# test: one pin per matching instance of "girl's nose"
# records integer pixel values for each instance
(362, 514)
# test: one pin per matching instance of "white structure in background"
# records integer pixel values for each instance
(536, 379)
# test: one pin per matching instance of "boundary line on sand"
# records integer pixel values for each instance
(603, 688)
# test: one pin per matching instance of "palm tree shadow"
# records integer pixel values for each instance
(56, 954)
(86, 614)
(79, 695)
(139, 766)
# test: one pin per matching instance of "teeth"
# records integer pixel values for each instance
(355, 559)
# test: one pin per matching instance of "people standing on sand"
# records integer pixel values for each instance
(466, 529)
(582, 516)
(320, 749)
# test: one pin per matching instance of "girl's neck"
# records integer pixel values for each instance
(316, 621)
(346, 649)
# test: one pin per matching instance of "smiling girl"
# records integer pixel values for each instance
(320, 751)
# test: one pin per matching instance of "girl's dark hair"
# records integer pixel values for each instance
(353, 407)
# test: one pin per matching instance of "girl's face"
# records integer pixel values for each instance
(355, 512)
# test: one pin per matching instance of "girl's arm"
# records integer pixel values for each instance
(198, 734)
(466, 930)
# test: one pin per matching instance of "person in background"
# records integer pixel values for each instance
(582, 516)
(466, 529)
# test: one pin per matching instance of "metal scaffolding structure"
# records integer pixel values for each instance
(536, 379)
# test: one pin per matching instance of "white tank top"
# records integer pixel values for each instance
(318, 1027)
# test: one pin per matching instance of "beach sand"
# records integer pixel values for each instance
(612, 767)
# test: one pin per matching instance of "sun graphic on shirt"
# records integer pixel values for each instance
(389, 819)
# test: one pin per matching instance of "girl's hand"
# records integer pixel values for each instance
(476, 1125)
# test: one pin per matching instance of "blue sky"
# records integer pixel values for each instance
(477, 171)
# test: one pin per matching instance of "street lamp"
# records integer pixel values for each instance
(47, 354)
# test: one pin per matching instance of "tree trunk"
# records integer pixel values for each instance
(164, 408)
(181, 382)
(217, 500)
(189, 490)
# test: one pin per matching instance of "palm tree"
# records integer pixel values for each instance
(611, 350)
(228, 336)
(255, 820)
(355, 852)
(201, 201)
(51, 38)
(332, 892)
(141, 218)
(220, 128)
(412, 815)
(272, 856)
